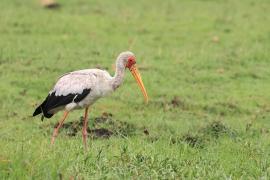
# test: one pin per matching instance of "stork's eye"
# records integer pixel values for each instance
(131, 61)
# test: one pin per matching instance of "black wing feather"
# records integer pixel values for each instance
(52, 101)
(80, 97)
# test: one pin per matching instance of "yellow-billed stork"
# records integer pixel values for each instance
(80, 89)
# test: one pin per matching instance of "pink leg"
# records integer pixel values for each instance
(58, 126)
(84, 130)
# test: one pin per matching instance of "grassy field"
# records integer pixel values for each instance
(205, 64)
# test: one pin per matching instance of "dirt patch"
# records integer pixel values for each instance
(105, 117)
(104, 126)
(174, 103)
(145, 131)
(102, 132)
(216, 129)
(23, 92)
(73, 128)
(225, 108)
(193, 140)
(200, 138)
(50, 4)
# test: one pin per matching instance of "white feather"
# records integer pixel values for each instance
(99, 81)
(76, 81)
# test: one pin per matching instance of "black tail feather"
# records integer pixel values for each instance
(41, 109)
(37, 111)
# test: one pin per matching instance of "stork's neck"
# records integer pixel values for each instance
(119, 75)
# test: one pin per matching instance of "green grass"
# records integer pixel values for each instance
(205, 64)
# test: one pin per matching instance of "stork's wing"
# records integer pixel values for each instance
(52, 101)
(71, 87)
(74, 83)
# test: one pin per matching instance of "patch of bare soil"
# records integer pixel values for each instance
(50, 4)
(104, 126)
(102, 132)
(201, 137)
(174, 103)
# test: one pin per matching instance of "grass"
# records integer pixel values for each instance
(205, 65)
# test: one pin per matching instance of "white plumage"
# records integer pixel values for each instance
(98, 81)
(80, 89)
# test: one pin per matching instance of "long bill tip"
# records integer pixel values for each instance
(136, 74)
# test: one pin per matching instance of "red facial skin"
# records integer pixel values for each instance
(131, 61)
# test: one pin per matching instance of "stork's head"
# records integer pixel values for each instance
(128, 60)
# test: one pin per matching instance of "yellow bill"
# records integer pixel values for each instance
(137, 76)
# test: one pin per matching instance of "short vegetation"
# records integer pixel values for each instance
(205, 64)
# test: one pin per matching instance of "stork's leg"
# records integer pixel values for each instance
(85, 125)
(58, 126)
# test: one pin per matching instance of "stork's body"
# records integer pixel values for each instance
(80, 89)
